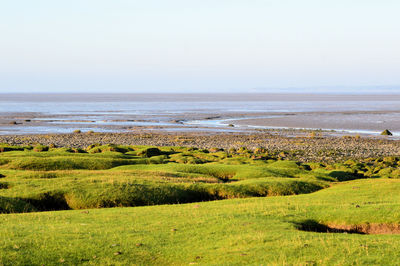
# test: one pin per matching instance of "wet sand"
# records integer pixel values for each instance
(362, 122)
(353, 122)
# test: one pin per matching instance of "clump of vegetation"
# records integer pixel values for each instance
(76, 150)
(98, 148)
(5, 147)
(149, 152)
(77, 131)
(40, 148)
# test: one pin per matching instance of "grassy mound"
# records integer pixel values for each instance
(48, 178)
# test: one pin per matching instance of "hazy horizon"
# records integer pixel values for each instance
(187, 46)
(395, 90)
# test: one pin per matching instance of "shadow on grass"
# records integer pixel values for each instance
(49, 201)
(345, 176)
(314, 226)
(13, 205)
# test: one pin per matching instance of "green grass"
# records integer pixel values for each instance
(231, 232)
(257, 208)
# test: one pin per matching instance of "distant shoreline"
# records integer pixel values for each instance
(80, 97)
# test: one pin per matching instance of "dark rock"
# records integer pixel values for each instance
(386, 132)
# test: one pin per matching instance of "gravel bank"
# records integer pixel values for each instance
(302, 148)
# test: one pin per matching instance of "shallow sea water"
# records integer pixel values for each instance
(60, 113)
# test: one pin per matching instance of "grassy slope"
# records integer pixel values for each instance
(238, 231)
(234, 231)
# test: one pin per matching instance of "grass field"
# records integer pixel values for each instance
(264, 210)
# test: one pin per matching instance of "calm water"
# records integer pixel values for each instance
(118, 112)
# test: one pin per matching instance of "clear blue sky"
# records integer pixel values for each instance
(197, 46)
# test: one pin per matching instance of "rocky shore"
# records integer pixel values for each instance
(303, 148)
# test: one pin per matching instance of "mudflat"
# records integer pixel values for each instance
(63, 113)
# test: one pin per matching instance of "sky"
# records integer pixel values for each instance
(199, 46)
